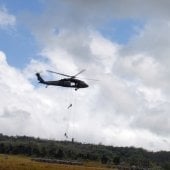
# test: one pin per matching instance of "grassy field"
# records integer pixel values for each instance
(8, 162)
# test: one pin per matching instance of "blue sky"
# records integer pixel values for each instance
(122, 30)
(18, 42)
(18, 6)
(20, 45)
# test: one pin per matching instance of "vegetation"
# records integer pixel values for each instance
(24, 163)
(65, 150)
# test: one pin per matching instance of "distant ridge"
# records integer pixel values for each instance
(67, 150)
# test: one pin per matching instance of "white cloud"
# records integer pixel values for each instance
(123, 106)
(6, 19)
(115, 109)
(24, 110)
(78, 14)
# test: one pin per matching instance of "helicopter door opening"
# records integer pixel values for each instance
(73, 84)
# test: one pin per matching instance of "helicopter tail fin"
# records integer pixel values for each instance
(39, 78)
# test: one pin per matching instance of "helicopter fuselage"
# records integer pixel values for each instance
(70, 82)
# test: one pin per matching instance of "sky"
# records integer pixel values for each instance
(123, 44)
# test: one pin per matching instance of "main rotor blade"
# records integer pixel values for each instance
(89, 79)
(78, 73)
(59, 73)
(92, 79)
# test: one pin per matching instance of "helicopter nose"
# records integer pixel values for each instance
(86, 85)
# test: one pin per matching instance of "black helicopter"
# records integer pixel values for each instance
(66, 82)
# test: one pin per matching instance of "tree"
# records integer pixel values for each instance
(60, 154)
(116, 160)
(166, 166)
(104, 159)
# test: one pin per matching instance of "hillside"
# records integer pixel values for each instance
(65, 150)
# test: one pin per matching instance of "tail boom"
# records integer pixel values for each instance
(40, 79)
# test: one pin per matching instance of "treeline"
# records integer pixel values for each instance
(36, 147)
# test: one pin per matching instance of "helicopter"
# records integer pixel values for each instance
(71, 81)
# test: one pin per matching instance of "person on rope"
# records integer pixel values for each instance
(69, 106)
(65, 134)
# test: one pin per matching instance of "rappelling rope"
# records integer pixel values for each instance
(68, 107)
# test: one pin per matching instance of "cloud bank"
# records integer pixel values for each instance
(129, 106)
